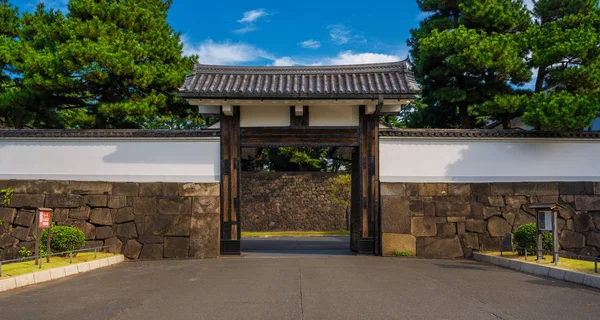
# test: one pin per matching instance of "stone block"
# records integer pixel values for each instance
(96, 200)
(25, 280)
(412, 189)
(200, 189)
(123, 215)
(423, 226)
(489, 212)
(571, 240)
(170, 189)
(150, 189)
(20, 233)
(566, 213)
(83, 267)
(82, 213)
(144, 206)
(593, 239)
(488, 243)
(174, 205)
(439, 248)
(391, 242)
(176, 247)
(576, 188)
(57, 273)
(433, 189)
(459, 189)
(93, 244)
(7, 215)
(516, 201)
(590, 251)
(117, 202)
(452, 207)
(26, 201)
(204, 235)
(115, 243)
(575, 277)
(470, 241)
(498, 227)
(104, 232)
(446, 229)
(47, 187)
(203, 205)
(556, 273)
(496, 201)
(88, 229)
(461, 228)
(101, 216)
(90, 187)
(393, 189)
(416, 207)
(60, 215)
(127, 230)
(501, 189)
(480, 189)
(456, 219)
(167, 225)
(591, 281)
(476, 225)
(7, 284)
(145, 239)
(510, 216)
(477, 210)
(583, 222)
(596, 217)
(133, 249)
(25, 218)
(429, 209)
(64, 201)
(536, 188)
(395, 214)
(8, 241)
(125, 189)
(152, 252)
(523, 218)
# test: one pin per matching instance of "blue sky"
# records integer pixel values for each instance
(289, 33)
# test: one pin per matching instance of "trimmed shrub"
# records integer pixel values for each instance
(525, 237)
(63, 238)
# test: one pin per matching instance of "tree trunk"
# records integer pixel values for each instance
(348, 222)
(463, 116)
(506, 121)
(539, 82)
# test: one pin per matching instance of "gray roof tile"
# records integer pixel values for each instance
(352, 81)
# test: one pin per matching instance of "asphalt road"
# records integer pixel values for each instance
(314, 286)
(333, 245)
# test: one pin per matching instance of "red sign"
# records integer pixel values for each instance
(45, 219)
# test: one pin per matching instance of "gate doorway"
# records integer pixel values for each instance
(314, 106)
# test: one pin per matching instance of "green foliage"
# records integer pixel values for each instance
(105, 64)
(5, 195)
(62, 239)
(470, 57)
(525, 237)
(24, 252)
(340, 190)
(398, 253)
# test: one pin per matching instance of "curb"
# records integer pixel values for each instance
(57, 273)
(581, 278)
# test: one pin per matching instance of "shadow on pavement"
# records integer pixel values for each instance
(334, 245)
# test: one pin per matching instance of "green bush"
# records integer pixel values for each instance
(525, 237)
(402, 253)
(62, 239)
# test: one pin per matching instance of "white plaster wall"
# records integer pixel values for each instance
(174, 160)
(264, 116)
(332, 116)
(491, 160)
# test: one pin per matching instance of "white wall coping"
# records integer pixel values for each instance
(57, 273)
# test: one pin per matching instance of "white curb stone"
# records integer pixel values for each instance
(56, 273)
(42, 276)
(585, 279)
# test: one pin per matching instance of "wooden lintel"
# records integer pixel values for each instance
(298, 110)
(227, 110)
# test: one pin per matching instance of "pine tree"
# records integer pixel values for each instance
(466, 53)
(106, 64)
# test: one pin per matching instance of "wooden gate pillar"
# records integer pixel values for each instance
(230, 181)
(365, 187)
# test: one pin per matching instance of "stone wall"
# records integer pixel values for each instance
(448, 220)
(290, 201)
(143, 220)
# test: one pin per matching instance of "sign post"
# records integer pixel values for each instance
(547, 221)
(44, 218)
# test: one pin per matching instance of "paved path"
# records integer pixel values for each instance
(303, 287)
(331, 245)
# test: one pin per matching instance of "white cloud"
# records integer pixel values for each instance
(226, 53)
(310, 44)
(249, 18)
(253, 15)
(339, 33)
(284, 61)
(529, 4)
(349, 57)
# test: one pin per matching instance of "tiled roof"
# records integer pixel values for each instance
(479, 133)
(352, 81)
(106, 133)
